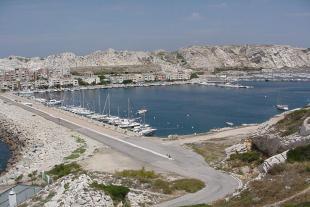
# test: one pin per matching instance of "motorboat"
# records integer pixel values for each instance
(229, 123)
(142, 111)
(147, 131)
(53, 102)
(282, 107)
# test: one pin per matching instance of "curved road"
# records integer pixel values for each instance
(154, 152)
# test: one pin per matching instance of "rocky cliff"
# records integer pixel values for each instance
(208, 58)
(283, 132)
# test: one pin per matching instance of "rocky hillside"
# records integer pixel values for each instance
(208, 58)
(284, 132)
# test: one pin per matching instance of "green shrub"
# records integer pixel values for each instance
(117, 193)
(142, 175)
(127, 81)
(299, 154)
(194, 75)
(305, 204)
(188, 185)
(64, 169)
(246, 157)
(17, 179)
(162, 185)
(292, 122)
(277, 169)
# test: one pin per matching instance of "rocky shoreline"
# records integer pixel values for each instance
(10, 135)
(36, 144)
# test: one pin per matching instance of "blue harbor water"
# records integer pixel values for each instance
(4, 155)
(188, 109)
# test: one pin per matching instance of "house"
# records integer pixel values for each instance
(58, 82)
(90, 78)
(41, 83)
(149, 77)
(160, 77)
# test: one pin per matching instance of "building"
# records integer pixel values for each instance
(42, 73)
(19, 78)
(60, 73)
(160, 77)
(90, 78)
(180, 75)
(149, 77)
(137, 78)
(58, 82)
(41, 83)
(118, 79)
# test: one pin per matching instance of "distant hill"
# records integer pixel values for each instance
(206, 58)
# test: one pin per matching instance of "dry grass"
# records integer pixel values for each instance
(292, 122)
(159, 184)
(291, 179)
(211, 151)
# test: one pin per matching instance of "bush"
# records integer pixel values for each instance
(292, 122)
(299, 154)
(246, 157)
(162, 185)
(117, 193)
(142, 175)
(305, 204)
(127, 81)
(64, 169)
(194, 75)
(188, 185)
(277, 169)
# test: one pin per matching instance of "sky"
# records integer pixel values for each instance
(42, 27)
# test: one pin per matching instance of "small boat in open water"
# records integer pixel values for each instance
(282, 107)
(229, 123)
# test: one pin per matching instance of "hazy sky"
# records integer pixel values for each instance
(42, 27)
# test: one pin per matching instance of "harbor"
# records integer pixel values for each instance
(187, 109)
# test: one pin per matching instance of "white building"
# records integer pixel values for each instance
(41, 83)
(62, 82)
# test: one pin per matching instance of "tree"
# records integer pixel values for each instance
(194, 75)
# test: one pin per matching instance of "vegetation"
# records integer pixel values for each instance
(299, 154)
(141, 175)
(19, 178)
(212, 152)
(81, 82)
(62, 170)
(194, 75)
(33, 176)
(251, 159)
(157, 183)
(292, 122)
(303, 204)
(188, 185)
(117, 193)
(275, 186)
(198, 205)
(127, 81)
(247, 157)
(79, 151)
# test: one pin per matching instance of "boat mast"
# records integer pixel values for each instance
(109, 104)
(99, 97)
(128, 109)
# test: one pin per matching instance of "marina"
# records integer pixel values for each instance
(183, 109)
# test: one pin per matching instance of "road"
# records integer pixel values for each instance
(154, 152)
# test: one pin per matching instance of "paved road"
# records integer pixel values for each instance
(154, 151)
